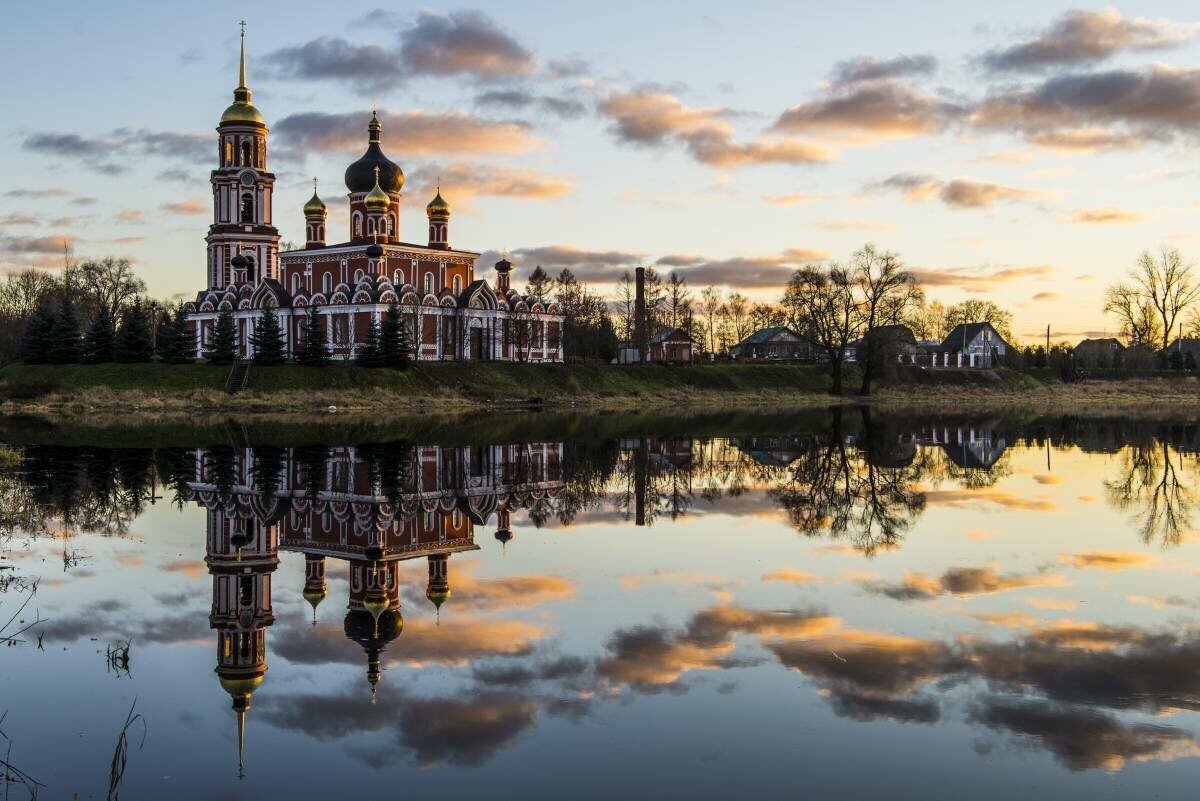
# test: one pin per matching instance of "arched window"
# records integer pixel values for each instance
(295, 283)
(326, 284)
(428, 283)
(246, 154)
(358, 276)
(397, 279)
(247, 208)
(228, 153)
(457, 284)
(370, 226)
(391, 226)
(357, 224)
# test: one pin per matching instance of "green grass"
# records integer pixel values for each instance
(487, 380)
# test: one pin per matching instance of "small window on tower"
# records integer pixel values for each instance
(357, 224)
(246, 154)
(391, 226)
(326, 283)
(428, 283)
(228, 153)
(247, 208)
(457, 284)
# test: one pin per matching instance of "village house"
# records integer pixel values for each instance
(1099, 352)
(971, 345)
(898, 340)
(449, 312)
(1186, 347)
(775, 344)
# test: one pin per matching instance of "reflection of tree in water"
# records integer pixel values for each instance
(93, 489)
(1150, 487)
(865, 495)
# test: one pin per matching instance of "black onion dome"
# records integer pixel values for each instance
(374, 251)
(360, 626)
(360, 176)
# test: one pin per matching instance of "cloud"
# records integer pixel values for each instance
(96, 152)
(416, 133)
(1084, 37)
(592, 265)
(129, 216)
(749, 272)
(522, 100)
(651, 117)
(961, 193)
(794, 199)
(979, 279)
(1111, 561)
(466, 43)
(370, 68)
(1083, 140)
(870, 111)
(52, 244)
(790, 575)
(1154, 103)
(461, 181)
(16, 218)
(1013, 620)
(1105, 216)
(35, 194)
(471, 593)
(968, 498)
(959, 581)
(1084, 739)
(854, 224)
(462, 43)
(191, 205)
(865, 68)
(1046, 296)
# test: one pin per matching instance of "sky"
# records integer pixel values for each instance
(1025, 153)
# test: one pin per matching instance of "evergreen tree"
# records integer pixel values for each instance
(185, 342)
(267, 341)
(1176, 359)
(369, 355)
(166, 339)
(313, 348)
(133, 343)
(38, 340)
(222, 341)
(64, 335)
(393, 339)
(98, 344)
(539, 284)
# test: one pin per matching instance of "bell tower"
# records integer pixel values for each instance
(242, 189)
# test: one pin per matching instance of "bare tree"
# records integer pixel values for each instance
(710, 309)
(888, 292)
(1159, 286)
(979, 311)
(822, 308)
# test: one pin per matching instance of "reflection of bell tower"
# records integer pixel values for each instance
(438, 589)
(315, 588)
(503, 530)
(374, 619)
(241, 556)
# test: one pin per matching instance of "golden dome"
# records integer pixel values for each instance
(240, 686)
(315, 206)
(438, 597)
(240, 111)
(314, 595)
(377, 199)
(438, 206)
(376, 603)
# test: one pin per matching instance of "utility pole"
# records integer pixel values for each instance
(1047, 337)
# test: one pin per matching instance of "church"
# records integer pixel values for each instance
(449, 312)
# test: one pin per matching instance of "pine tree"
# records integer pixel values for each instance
(393, 339)
(539, 284)
(267, 341)
(98, 344)
(185, 341)
(222, 341)
(133, 343)
(314, 350)
(38, 340)
(166, 339)
(370, 355)
(64, 335)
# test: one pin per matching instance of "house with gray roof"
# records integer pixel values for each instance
(775, 344)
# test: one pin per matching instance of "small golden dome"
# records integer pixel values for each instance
(240, 686)
(437, 597)
(377, 199)
(438, 206)
(315, 207)
(314, 595)
(376, 603)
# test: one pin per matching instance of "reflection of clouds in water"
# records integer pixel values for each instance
(960, 581)
(1108, 560)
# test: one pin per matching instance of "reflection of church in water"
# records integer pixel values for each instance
(340, 511)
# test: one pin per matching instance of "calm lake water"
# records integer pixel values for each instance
(823, 606)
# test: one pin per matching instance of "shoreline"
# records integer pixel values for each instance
(190, 393)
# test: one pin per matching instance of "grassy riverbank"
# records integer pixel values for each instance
(195, 393)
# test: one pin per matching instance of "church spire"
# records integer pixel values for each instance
(242, 109)
(242, 60)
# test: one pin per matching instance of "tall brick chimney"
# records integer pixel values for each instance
(639, 313)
